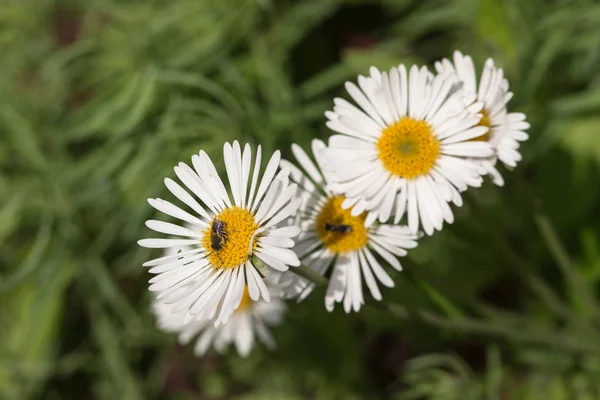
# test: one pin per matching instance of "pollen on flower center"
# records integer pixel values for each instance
(229, 247)
(408, 148)
(484, 121)
(339, 231)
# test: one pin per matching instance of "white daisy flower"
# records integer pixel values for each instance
(406, 148)
(506, 130)
(249, 321)
(332, 236)
(227, 232)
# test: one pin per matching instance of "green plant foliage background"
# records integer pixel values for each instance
(100, 98)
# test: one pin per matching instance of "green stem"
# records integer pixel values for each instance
(441, 301)
(309, 274)
(515, 261)
(546, 227)
(302, 270)
(396, 310)
(582, 295)
(549, 235)
(528, 332)
(553, 243)
(465, 324)
(525, 334)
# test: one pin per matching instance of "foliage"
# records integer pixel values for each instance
(100, 98)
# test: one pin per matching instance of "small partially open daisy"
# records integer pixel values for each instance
(224, 235)
(407, 148)
(249, 320)
(331, 236)
(506, 130)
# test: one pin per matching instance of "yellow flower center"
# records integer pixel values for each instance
(408, 148)
(246, 300)
(228, 241)
(484, 121)
(339, 231)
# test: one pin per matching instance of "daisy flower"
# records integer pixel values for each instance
(249, 321)
(332, 237)
(225, 233)
(407, 147)
(506, 130)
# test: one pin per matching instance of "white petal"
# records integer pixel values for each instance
(387, 256)
(364, 103)
(378, 270)
(267, 178)
(253, 289)
(413, 216)
(231, 166)
(165, 243)
(306, 163)
(337, 284)
(255, 174)
(264, 292)
(200, 189)
(369, 278)
(277, 241)
(284, 213)
(169, 258)
(171, 229)
(468, 149)
(174, 211)
(244, 336)
(246, 160)
(184, 196)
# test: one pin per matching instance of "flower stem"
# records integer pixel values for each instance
(302, 270)
(394, 309)
(553, 242)
(437, 298)
(520, 266)
(547, 230)
(309, 274)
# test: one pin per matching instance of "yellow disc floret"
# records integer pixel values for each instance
(354, 236)
(408, 148)
(484, 121)
(228, 246)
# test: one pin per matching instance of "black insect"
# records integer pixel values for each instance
(218, 235)
(338, 228)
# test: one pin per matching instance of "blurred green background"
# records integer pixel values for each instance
(100, 98)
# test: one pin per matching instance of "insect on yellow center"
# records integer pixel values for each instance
(246, 300)
(408, 148)
(354, 234)
(484, 121)
(228, 248)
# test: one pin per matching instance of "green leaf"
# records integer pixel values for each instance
(22, 136)
(37, 252)
(31, 325)
(298, 20)
(494, 27)
(121, 382)
(10, 215)
(578, 102)
(581, 138)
